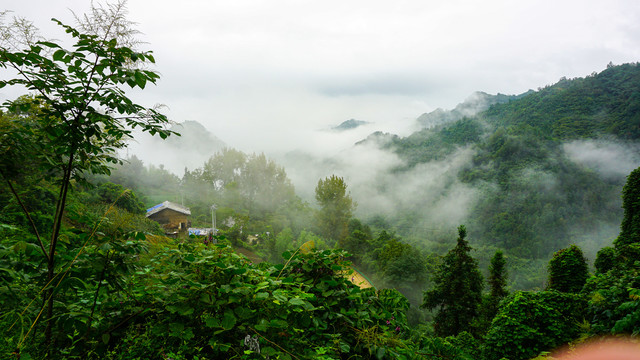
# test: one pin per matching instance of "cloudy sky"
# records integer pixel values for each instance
(267, 75)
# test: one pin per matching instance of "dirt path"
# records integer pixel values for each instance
(359, 279)
(356, 277)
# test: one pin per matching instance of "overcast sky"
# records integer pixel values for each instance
(265, 75)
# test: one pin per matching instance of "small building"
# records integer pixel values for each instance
(172, 217)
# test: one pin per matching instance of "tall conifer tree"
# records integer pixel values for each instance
(497, 288)
(630, 227)
(457, 293)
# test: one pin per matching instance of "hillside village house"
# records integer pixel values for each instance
(172, 217)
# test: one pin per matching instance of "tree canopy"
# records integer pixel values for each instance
(630, 226)
(336, 207)
(568, 270)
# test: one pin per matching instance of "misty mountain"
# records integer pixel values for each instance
(194, 137)
(349, 124)
(599, 105)
(195, 145)
(540, 171)
(379, 138)
(477, 102)
(530, 174)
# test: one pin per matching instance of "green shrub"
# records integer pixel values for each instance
(568, 270)
(530, 322)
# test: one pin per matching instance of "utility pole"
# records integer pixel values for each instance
(213, 219)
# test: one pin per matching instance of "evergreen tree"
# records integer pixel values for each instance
(614, 305)
(498, 276)
(628, 242)
(498, 288)
(568, 270)
(458, 289)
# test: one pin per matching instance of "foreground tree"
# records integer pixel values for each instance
(630, 226)
(336, 208)
(530, 322)
(457, 291)
(605, 260)
(628, 242)
(82, 114)
(614, 290)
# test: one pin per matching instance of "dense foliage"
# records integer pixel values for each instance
(457, 291)
(614, 303)
(215, 304)
(630, 227)
(568, 270)
(602, 103)
(80, 115)
(107, 284)
(531, 322)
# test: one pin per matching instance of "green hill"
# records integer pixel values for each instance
(539, 163)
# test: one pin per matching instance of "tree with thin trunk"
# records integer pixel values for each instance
(83, 114)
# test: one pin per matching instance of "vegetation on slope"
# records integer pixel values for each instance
(85, 275)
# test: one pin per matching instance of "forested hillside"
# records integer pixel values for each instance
(546, 169)
(84, 274)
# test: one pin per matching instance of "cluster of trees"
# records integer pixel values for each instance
(86, 275)
(573, 307)
(63, 131)
(531, 197)
(602, 103)
(252, 196)
(245, 186)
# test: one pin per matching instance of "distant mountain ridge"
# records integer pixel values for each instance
(195, 136)
(601, 104)
(545, 166)
(350, 124)
(195, 145)
(477, 102)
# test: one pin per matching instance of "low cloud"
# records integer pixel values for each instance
(613, 160)
(379, 186)
(403, 84)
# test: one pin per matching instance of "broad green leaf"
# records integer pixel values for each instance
(262, 326)
(176, 329)
(212, 322)
(296, 301)
(277, 323)
(228, 320)
(49, 44)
